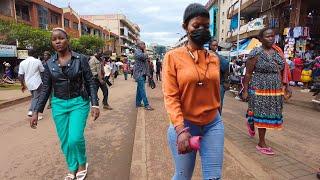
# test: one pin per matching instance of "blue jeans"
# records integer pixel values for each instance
(211, 151)
(222, 92)
(141, 92)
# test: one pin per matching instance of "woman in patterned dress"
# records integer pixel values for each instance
(263, 89)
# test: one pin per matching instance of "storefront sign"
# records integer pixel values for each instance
(22, 54)
(8, 51)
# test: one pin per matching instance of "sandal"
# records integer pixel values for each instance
(250, 131)
(70, 177)
(82, 174)
(266, 151)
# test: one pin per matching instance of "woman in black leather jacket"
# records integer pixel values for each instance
(67, 74)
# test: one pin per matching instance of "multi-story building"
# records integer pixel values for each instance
(213, 6)
(296, 23)
(278, 14)
(36, 13)
(219, 22)
(120, 25)
(41, 14)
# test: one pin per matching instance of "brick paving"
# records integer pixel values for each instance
(241, 160)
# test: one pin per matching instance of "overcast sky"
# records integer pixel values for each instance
(159, 20)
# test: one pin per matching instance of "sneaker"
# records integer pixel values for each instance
(30, 113)
(238, 98)
(148, 108)
(40, 118)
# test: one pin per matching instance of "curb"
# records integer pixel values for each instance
(14, 102)
(138, 170)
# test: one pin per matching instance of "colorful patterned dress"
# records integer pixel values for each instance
(265, 90)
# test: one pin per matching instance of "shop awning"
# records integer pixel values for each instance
(246, 46)
(253, 43)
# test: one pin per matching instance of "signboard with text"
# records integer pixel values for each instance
(22, 54)
(8, 51)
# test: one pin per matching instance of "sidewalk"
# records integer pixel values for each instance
(151, 155)
(12, 97)
(152, 158)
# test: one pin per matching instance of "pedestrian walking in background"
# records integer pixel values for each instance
(191, 91)
(46, 57)
(158, 69)
(264, 89)
(30, 71)
(296, 75)
(151, 68)
(140, 74)
(131, 69)
(125, 67)
(107, 71)
(69, 77)
(224, 72)
(8, 74)
(97, 70)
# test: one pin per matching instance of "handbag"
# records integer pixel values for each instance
(152, 84)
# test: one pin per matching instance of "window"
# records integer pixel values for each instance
(75, 26)
(222, 13)
(222, 30)
(43, 17)
(221, 39)
(54, 19)
(222, 22)
(23, 12)
(66, 23)
(223, 1)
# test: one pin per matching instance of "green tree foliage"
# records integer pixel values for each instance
(27, 37)
(39, 40)
(87, 44)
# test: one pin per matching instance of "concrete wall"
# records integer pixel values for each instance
(224, 22)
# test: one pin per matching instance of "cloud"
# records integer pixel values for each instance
(151, 9)
(159, 20)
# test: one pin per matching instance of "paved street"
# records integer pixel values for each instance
(35, 154)
(296, 146)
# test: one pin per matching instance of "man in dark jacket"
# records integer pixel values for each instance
(224, 71)
(141, 72)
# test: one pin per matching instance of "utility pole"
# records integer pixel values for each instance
(238, 34)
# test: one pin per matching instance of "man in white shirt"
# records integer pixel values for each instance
(29, 76)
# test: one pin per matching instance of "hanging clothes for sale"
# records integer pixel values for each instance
(286, 31)
(277, 39)
(297, 32)
(306, 32)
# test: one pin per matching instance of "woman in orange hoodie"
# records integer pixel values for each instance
(191, 87)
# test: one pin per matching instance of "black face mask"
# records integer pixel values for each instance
(200, 36)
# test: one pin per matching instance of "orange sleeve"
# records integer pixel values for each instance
(171, 91)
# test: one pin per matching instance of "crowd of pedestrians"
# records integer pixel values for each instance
(194, 82)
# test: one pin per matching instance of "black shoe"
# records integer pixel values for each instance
(139, 106)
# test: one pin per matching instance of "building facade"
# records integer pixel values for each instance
(128, 33)
(295, 23)
(43, 15)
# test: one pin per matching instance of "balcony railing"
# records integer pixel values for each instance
(250, 29)
(252, 6)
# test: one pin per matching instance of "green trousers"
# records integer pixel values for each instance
(70, 117)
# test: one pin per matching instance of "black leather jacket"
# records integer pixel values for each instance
(75, 80)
